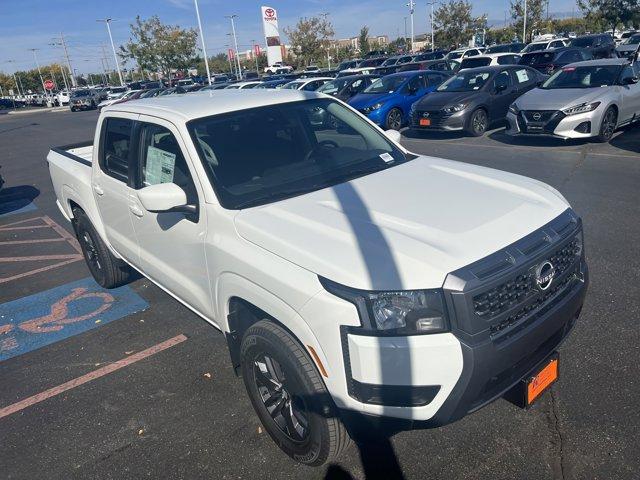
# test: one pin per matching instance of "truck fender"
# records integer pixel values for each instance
(71, 196)
(231, 285)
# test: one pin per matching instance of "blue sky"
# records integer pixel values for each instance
(33, 23)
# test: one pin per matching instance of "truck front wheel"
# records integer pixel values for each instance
(289, 396)
(107, 270)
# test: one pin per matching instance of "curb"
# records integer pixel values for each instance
(37, 110)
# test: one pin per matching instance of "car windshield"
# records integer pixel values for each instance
(632, 40)
(532, 47)
(539, 58)
(293, 85)
(474, 62)
(80, 93)
(466, 81)
(498, 49)
(334, 86)
(295, 148)
(388, 84)
(592, 76)
(454, 55)
(582, 42)
(390, 61)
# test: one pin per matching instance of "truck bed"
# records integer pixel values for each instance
(70, 170)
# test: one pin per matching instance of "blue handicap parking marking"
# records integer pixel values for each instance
(14, 207)
(44, 318)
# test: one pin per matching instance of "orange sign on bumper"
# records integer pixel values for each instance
(542, 380)
(425, 122)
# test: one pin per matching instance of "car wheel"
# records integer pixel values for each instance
(73, 109)
(108, 271)
(608, 125)
(394, 119)
(290, 397)
(478, 123)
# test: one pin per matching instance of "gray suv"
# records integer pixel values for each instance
(84, 99)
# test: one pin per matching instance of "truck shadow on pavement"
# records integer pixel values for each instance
(378, 458)
(16, 198)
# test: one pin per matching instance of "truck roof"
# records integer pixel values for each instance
(210, 102)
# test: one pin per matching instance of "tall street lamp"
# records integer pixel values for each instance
(204, 50)
(107, 22)
(411, 6)
(433, 38)
(35, 57)
(235, 40)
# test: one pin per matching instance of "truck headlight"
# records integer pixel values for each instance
(513, 108)
(458, 107)
(373, 107)
(582, 108)
(403, 312)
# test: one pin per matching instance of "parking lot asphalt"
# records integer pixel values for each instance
(131, 384)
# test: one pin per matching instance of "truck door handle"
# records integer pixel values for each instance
(137, 211)
(98, 189)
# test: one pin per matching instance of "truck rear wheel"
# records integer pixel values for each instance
(290, 397)
(107, 270)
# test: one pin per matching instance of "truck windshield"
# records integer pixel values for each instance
(265, 154)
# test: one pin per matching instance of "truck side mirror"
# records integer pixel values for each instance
(393, 135)
(165, 197)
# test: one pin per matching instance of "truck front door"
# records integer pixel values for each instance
(172, 247)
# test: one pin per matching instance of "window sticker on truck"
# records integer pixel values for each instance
(160, 166)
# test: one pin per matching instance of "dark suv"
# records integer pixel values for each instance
(548, 61)
(600, 45)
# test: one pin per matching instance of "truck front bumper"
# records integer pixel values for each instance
(432, 380)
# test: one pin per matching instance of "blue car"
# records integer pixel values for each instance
(388, 100)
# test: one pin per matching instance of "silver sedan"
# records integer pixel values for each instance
(581, 100)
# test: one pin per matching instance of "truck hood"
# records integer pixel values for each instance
(558, 98)
(405, 227)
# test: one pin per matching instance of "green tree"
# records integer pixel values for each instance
(535, 16)
(363, 40)
(398, 45)
(500, 35)
(310, 39)
(455, 24)
(613, 13)
(157, 47)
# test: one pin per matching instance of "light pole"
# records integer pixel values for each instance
(524, 26)
(411, 6)
(15, 79)
(108, 21)
(235, 40)
(35, 57)
(433, 37)
(204, 50)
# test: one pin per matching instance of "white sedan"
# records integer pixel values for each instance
(307, 84)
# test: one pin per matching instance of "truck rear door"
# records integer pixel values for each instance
(112, 182)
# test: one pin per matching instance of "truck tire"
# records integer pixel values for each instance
(107, 270)
(290, 397)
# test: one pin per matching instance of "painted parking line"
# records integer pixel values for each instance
(44, 318)
(23, 232)
(101, 372)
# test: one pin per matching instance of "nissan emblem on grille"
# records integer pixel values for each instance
(544, 275)
(537, 116)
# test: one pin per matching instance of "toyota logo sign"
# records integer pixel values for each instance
(269, 13)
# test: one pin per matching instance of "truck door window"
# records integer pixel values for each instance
(114, 160)
(161, 161)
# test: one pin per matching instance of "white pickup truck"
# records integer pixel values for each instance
(354, 281)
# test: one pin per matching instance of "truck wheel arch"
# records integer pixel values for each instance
(243, 303)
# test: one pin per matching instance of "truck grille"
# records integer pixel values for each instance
(499, 295)
(516, 290)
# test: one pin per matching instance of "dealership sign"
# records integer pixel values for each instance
(271, 35)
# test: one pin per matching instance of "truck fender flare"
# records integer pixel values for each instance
(231, 285)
